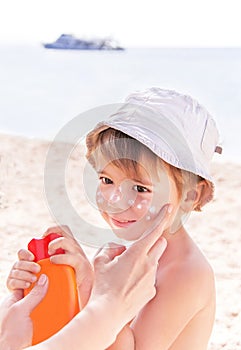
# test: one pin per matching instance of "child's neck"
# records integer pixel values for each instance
(171, 235)
(178, 245)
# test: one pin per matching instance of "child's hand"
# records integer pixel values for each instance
(22, 274)
(75, 257)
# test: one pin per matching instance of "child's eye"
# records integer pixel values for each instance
(139, 188)
(106, 180)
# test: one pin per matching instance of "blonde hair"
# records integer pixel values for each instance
(114, 145)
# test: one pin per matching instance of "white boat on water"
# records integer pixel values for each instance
(70, 42)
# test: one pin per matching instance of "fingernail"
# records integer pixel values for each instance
(33, 278)
(170, 208)
(42, 280)
(37, 268)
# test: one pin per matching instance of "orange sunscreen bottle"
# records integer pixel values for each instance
(60, 304)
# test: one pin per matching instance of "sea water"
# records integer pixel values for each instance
(41, 90)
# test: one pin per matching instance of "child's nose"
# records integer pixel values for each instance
(119, 198)
(115, 196)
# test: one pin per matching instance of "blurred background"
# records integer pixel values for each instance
(190, 46)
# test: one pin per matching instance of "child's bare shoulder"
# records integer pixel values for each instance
(185, 291)
(189, 273)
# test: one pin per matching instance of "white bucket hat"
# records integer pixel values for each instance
(174, 126)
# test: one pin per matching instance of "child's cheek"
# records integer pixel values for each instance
(115, 202)
(141, 208)
(99, 199)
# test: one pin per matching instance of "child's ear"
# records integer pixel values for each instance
(197, 197)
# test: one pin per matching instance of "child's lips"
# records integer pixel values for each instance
(122, 223)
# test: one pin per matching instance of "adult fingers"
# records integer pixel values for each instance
(154, 233)
(15, 296)
(28, 303)
(103, 257)
(112, 248)
(157, 250)
(107, 254)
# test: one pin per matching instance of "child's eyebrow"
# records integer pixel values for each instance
(142, 181)
(104, 173)
(101, 172)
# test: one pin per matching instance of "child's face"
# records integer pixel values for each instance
(124, 200)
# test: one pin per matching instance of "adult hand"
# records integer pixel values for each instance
(129, 278)
(16, 325)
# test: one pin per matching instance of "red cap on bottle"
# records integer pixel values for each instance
(39, 246)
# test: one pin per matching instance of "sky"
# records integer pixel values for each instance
(133, 23)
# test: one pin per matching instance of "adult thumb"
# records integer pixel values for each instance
(36, 295)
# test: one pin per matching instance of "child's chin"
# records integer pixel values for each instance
(127, 236)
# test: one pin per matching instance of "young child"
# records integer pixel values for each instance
(155, 149)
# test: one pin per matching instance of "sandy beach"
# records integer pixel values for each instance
(24, 214)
